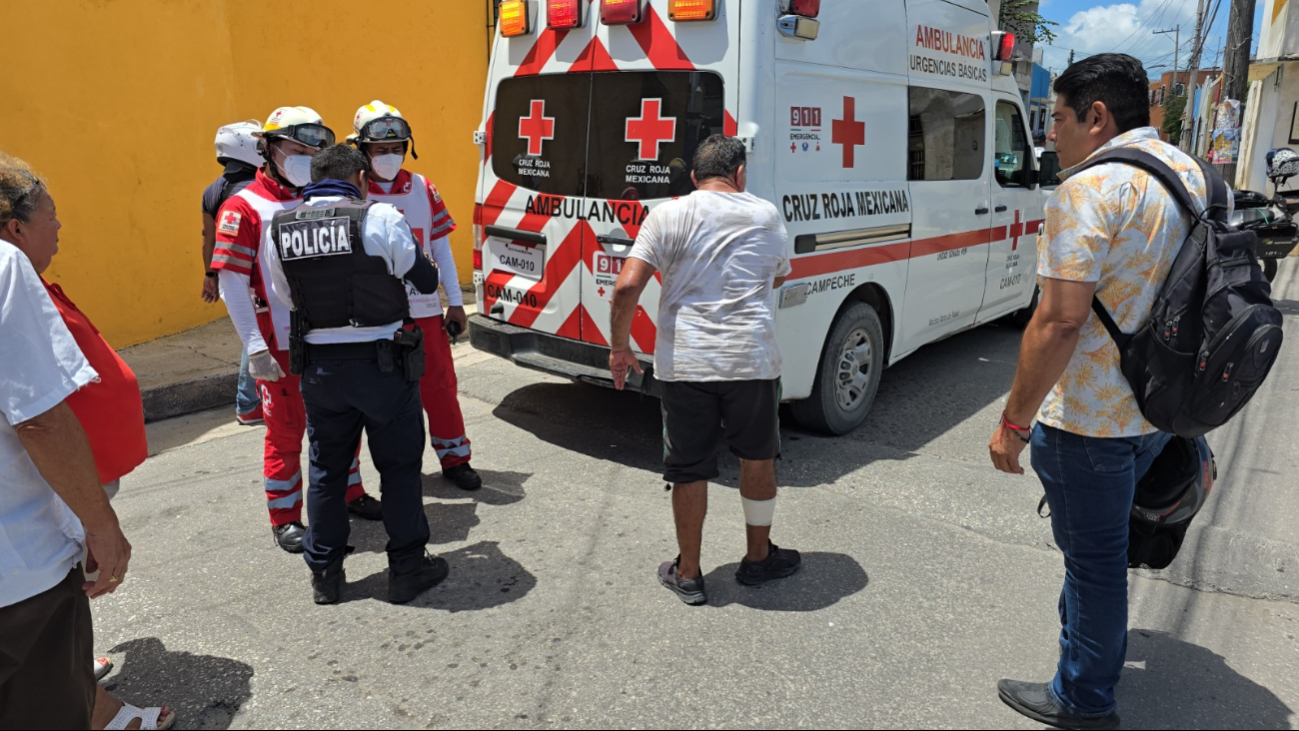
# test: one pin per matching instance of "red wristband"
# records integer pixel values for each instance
(1014, 427)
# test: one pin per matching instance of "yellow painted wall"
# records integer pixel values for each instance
(116, 103)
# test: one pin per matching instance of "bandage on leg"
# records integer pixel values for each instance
(759, 513)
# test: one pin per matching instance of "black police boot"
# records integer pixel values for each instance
(465, 477)
(1034, 701)
(407, 583)
(366, 508)
(289, 536)
(327, 586)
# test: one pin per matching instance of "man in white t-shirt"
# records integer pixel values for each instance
(722, 252)
(52, 507)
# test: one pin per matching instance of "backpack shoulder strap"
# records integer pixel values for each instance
(1143, 160)
(1216, 190)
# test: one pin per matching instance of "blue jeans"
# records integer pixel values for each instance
(246, 398)
(1090, 484)
(342, 398)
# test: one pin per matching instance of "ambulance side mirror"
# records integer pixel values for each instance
(1032, 178)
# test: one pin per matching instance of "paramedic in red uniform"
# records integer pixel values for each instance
(290, 138)
(383, 134)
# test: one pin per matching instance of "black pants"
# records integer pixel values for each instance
(342, 398)
(46, 647)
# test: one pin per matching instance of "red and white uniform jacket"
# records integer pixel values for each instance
(429, 220)
(243, 228)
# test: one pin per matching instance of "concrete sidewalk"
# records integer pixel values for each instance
(194, 370)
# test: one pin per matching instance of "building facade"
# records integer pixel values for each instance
(1167, 87)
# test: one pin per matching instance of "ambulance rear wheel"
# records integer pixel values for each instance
(849, 374)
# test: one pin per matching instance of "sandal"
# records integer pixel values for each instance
(103, 666)
(148, 718)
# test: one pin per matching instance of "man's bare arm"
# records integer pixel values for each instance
(1049, 344)
(635, 276)
(209, 241)
(58, 446)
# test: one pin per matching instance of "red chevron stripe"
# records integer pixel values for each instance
(540, 53)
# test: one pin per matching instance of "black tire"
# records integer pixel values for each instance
(1022, 317)
(837, 406)
(1270, 267)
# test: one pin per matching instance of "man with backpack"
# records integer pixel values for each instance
(1113, 232)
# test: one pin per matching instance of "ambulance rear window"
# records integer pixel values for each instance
(539, 132)
(645, 128)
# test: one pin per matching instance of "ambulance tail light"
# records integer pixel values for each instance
(514, 19)
(564, 14)
(622, 12)
(478, 237)
(803, 8)
(1003, 52)
(688, 10)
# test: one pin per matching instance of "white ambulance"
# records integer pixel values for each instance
(889, 133)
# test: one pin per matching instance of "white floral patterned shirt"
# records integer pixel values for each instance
(1118, 226)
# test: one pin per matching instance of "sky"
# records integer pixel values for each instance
(1092, 26)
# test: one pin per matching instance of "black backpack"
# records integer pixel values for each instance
(1213, 334)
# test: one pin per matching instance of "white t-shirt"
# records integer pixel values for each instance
(385, 235)
(40, 366)
(719, 255)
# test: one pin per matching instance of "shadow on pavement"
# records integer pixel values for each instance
(920, 399)
(1287, 307)
(822, 581)
(1184, 686)
(499, 488)
(204, 691)
(482, 577)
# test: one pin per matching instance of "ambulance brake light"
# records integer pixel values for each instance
(514, 18)
(686, 10)
(564, 14)
(1005, 47)
(622, 12)
(804, 8)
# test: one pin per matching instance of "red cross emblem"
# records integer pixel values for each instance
(230, 219)
(651, 129)
(1017, 229)
(230, 222)
(536, 128)
(849, 132)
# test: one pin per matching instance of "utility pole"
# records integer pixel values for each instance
(1177, 47)
(1235, 66)
(1190, 114)
(1070, 56)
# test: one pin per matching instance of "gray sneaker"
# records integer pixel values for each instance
(689, 591)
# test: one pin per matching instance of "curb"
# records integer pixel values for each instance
(187, 397)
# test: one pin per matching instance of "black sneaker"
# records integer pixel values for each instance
(327, 587)
(780, 563)
(289, 536)
(690, 591)
(1034, 701)
(465, 477)
(366, 508)
(406, 585)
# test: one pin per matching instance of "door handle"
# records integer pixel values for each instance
(614, 240)
(517, 236)
(981, 211)
(1001, 209)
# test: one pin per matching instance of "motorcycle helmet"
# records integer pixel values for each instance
(1177, 485)
(238, 142)
(1282, 163)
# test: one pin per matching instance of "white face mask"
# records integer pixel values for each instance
(386, 167)
(296, 169)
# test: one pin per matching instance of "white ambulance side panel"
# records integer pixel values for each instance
(1016, 214)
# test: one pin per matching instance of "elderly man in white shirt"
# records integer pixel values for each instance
(53, 510)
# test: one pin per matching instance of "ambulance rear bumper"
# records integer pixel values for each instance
(578, 361)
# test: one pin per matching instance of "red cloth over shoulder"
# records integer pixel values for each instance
(110, 409)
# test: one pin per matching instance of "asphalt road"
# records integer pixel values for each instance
(927, 576)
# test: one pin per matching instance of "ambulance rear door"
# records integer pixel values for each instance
(533, 180)
(949, 165)
(1016, 213)
(659, 88)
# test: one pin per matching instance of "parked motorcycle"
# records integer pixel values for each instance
(1273, 219)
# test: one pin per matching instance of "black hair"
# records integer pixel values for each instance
(339, 162)
(1117, 80)
(719, 156)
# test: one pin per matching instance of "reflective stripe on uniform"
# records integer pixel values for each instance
(451, 447)
(294, 483)
(288, 501)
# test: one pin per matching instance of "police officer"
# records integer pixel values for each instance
(383, 134)
(339, 262)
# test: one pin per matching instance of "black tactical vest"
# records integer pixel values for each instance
(334, 283)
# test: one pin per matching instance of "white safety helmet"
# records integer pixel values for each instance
(300, 124)
(238, 141)
(379, 122)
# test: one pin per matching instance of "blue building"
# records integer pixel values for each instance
(1038, 102)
